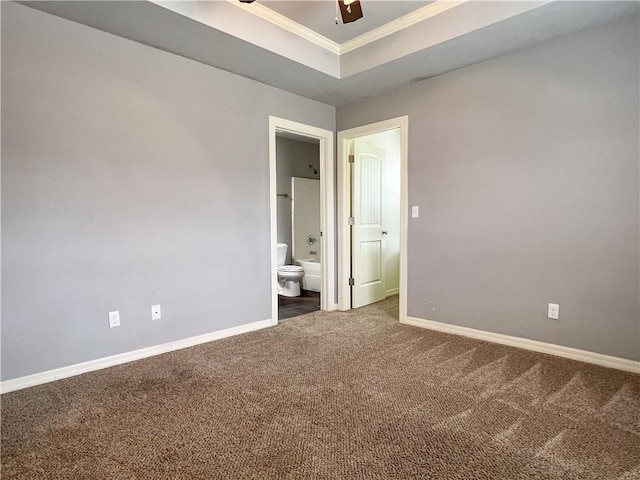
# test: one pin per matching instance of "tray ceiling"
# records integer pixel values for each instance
(275, 43)
(319, 15)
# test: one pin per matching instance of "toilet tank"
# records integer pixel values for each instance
(282, 253)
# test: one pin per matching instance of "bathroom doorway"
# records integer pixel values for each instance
(372, 214)
(302, 233)
(300, 253)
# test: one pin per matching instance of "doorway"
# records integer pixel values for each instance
(372, 213)
(311, 246)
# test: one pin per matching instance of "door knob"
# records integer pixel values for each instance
(384, 232)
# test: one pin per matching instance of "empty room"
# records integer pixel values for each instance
(330, 239)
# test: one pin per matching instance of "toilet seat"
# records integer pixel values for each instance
(290, 269)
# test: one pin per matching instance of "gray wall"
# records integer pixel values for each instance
(526, 170)
(130, 177)
(293, 158)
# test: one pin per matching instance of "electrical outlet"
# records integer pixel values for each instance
(114, 319)
(554, 311)
(155, 312)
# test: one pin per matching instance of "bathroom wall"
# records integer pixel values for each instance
(293, 158)
(130, 177)
(390, 141)
(526, 172)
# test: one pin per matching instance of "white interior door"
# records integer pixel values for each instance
(367, 254)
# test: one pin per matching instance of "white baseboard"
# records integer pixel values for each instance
(550, 348)
(391, 292)
(100, 363)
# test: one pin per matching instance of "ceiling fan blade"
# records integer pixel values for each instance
(351, 10)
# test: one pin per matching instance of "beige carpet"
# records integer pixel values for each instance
(332, 396)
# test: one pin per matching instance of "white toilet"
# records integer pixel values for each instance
(289, 276)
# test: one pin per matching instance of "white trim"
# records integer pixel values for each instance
(391, 292)
(327, 220)
(394, 26)
(344, 137)
(289, 25)
(92, 365)
(534, 345)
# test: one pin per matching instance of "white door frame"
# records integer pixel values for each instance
(327, 202)
(344, 247)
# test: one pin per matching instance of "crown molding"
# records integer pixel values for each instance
(394, 26)
(417, 16)
(289, 25)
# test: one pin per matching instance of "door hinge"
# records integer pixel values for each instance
(352, 158)
(352, 221)
(352, 282)
(320, 233)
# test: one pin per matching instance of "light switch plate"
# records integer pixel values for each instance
(114, 319)
(415, 211)
(156, 314)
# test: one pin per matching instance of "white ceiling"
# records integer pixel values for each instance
(320, 15)
(258, 42)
